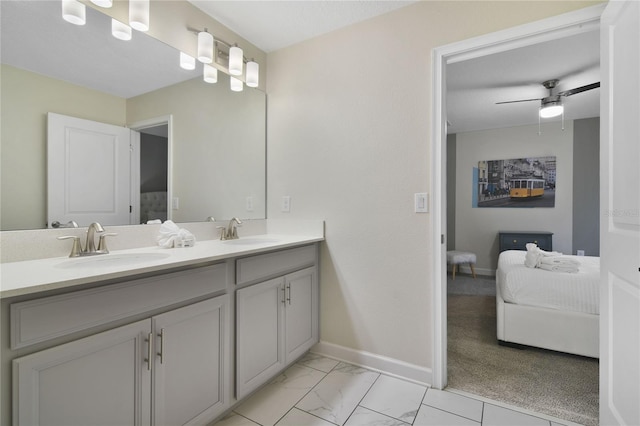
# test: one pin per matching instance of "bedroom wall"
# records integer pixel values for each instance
(586, 186)
(477, 228)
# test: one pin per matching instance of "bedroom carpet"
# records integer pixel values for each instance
(553, 383)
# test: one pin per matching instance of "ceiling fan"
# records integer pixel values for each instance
(551, 106)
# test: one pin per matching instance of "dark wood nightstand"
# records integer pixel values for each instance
(517, 240)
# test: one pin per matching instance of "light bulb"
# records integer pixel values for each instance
(74, 12)
(139, 14)
(120, 31)
(236, 85)
(210, 74)
(187, 62)
(205, 47)
(253, 73)
(235, 60)
(103, 3)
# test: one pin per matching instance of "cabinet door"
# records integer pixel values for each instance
(190, 346)
(99, 380)
(301, 313)
(259, 339)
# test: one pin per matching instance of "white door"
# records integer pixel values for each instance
(620, 214)
(88, 171)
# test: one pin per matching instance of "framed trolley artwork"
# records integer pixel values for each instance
(518, 182)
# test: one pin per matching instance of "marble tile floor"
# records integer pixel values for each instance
(318, 391)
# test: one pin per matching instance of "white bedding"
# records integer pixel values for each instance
(521, 285)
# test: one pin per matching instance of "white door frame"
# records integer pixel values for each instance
(572, 23)
(135, 158)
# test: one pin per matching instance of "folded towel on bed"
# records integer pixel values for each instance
(549, 260)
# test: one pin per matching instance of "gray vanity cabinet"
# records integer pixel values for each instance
(98, 380)
(166, 370)
(276, 323)
(277, 318)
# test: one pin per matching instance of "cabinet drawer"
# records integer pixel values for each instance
(46, 318)
(519, 241)
(269, 265)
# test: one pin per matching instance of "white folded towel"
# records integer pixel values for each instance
(549, 260)
(559, 264)
(173, 236)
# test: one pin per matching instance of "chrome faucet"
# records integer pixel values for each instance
(90, 245)
(231, 231)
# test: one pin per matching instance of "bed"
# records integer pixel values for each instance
(550, 310)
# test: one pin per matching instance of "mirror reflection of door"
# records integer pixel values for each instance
(88, 167)
(153, 173)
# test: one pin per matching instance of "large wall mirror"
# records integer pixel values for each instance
(216, 143)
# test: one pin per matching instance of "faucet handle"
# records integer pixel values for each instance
(76, 249)
(102, 244)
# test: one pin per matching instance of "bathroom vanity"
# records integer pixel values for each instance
(154, 336)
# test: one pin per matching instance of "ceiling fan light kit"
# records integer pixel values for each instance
(551, 106)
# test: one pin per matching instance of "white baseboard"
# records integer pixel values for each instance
(479, 271)
(389, 366)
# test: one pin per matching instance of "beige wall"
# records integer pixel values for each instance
(26, 100)
(218, 146)
(348, 140)
(477, 228)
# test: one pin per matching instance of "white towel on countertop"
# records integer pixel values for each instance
(172, 236)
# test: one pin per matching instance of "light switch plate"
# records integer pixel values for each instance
(249, 204)
(175, 203)
(421, 202)
(286, 204)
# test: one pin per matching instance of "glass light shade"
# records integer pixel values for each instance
(236, 85)
(139, 14)
(120, 31)
(74, 12)
(103, 3)
(253, 74)
(235, 60)
(210, 74)
(552, 110)
(205, 47)
(187, 62)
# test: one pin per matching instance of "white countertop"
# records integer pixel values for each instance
(32, 276)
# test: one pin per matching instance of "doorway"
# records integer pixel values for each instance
(537, 32)
(151, 170)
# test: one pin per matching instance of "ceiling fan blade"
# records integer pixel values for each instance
(521, 100)
(579, 89)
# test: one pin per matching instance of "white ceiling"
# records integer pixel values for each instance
(89, 56)
(271, 25)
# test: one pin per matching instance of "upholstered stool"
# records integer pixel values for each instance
(455, 258)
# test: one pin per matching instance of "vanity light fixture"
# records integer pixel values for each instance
(205, 47)
(236, 84)
(253, 73)
(210, 74)
(74, 12)
(139, 14)
(120, 31)
(103, 3)
(187, 62)
(236, 60)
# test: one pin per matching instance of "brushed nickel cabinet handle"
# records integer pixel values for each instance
(284, 295)
(149, 341)
(289, 297)
(161, 353)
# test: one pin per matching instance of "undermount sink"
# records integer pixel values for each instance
(251, 240)
(109, 260)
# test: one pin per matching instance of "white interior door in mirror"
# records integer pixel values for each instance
(88, 167)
